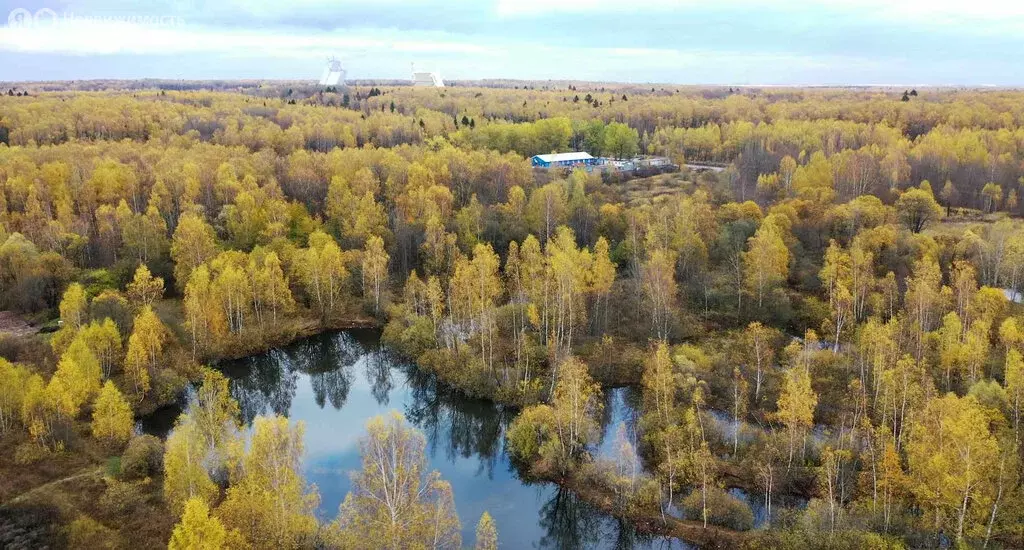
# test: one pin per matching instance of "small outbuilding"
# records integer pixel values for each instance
(429, 80)
(556, 160)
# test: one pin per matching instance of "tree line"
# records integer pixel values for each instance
(832, 318)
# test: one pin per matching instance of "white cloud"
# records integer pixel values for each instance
(98, 37)
(542, 7)
(369, 52)
(974, 9)
(911, 11)
(591, 52)
(276, 9)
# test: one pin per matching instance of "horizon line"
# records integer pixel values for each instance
(370, 81)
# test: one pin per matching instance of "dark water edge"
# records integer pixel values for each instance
(335, 382)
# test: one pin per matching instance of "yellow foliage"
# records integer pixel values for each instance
(74, 306)
(198, 530)
(112, 419)
(486, 533)
(144, 288)
(13, 387)
(395, 502)
(268, 501)
(185, 460)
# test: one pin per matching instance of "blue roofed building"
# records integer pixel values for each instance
(566, 160)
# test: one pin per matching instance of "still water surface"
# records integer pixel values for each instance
(335, 382)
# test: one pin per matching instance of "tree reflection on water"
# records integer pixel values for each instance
(574, 524)
(378, 373)
(263, 384)
(469, 427)
(464, 435)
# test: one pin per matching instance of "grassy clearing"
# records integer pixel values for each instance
(68, 500)
(654, 189)
(88, 510)
(17, 479)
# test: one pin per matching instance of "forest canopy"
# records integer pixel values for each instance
(818, 302)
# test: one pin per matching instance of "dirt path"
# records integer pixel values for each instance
(12, 323)
(90, 471)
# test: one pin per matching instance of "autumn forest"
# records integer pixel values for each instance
(816, 300)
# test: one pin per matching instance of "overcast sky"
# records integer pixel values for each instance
(960, 42)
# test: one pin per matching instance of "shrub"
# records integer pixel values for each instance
(647, 496)
(723, 509)
(86, 532)
(799, 539)
(144, 457)
(811, 312)
(113, 305)
(522, 394)
(530, 436)
(29, 453)
(640, 495)
(113, 466)
(167, 386)
(614, 361)
(461, 370)
(24, 349)
(411, 338)
(98, 280)
(121, 498)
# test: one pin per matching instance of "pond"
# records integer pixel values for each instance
(335, 382)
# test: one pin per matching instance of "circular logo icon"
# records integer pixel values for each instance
(45, 16)
(19, 17)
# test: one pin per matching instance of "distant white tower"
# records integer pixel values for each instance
(427, 79)
(334, 74)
